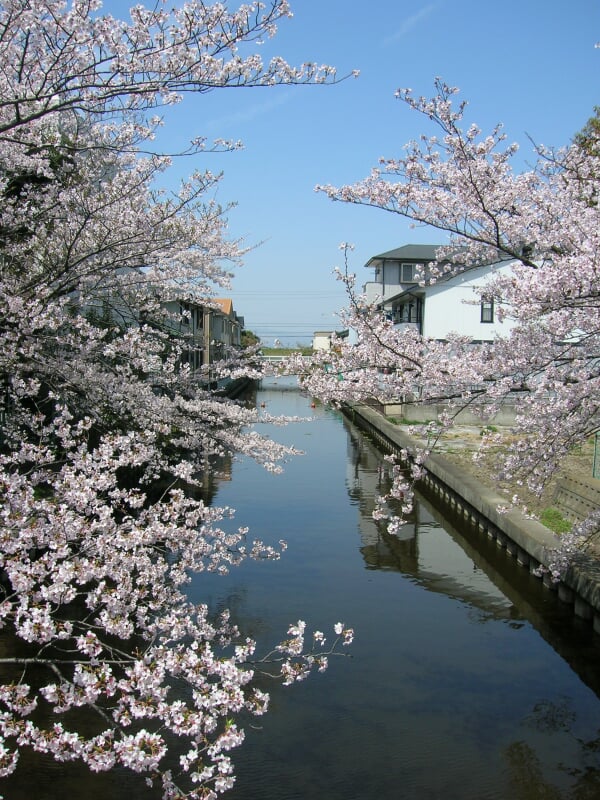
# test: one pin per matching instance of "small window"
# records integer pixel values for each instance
(407, 274)
(184, 313)
(487, 310)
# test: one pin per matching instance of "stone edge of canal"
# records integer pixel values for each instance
(526, 540)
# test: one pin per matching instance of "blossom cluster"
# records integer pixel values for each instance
(461, 183)
(110, 443)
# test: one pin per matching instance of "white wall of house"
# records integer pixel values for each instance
(453, 306)
(322, 340)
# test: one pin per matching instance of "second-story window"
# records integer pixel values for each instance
(407, 273)
(487, 310)
(184, 313)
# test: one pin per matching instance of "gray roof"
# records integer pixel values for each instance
(408, 252)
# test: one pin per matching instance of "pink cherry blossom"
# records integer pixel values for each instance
(461, 182)
(107, 436)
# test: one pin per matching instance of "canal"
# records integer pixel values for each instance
(467, 680)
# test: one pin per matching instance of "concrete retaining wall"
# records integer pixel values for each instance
(526, 540)
(577, 499)
(425, 412)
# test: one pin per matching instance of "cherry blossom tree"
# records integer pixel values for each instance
(462, 183)
(105, 433)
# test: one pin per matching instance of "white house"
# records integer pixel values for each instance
(397, 269)
(452, 304)
(326, 340)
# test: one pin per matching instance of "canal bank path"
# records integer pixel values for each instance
(522, 537)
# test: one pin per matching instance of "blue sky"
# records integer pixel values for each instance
(529, 64)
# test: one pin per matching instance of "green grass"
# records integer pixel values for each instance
(405, 421)
(488, 429)
(286, 351)
(553, 519)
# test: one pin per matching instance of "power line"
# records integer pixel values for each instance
(288, 293)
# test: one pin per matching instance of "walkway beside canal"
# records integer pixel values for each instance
(526, 540)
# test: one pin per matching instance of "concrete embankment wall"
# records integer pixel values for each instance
(425, 412)
(526, 540)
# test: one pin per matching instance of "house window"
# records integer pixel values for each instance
(407, 312)
(184, 313)
(407, 273)
(487, 310)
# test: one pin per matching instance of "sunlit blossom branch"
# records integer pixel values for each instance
(109, 439)
(543, 222)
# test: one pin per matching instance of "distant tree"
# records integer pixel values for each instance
(250, 339)
(588, 138)
(104, 437)
(461, 182)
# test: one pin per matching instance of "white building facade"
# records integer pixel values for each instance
(454, 303)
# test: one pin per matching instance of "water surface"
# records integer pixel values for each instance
(467, 680)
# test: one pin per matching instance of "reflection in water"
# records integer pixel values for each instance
(467, 681)
(527, 781)
(552, 717)
(526, 775)
(457, 650)
(433, 552)
(446, 553)
(423, 549)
